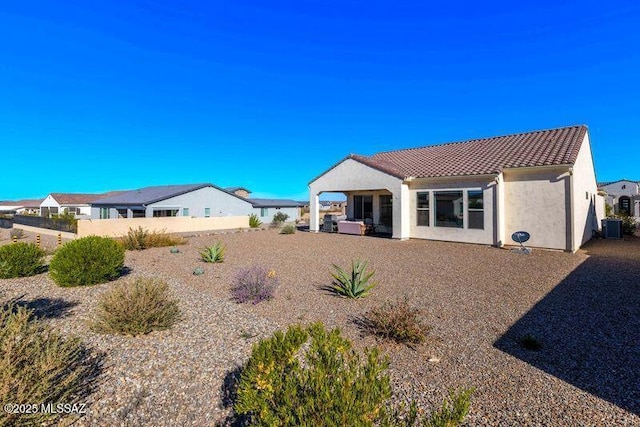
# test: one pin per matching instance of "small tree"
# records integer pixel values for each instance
(279, 218)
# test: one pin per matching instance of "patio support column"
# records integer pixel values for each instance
(314, 212)
(401, 212)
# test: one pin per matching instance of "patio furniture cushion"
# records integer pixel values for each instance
(351, 227)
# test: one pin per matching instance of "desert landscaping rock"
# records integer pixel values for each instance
(478, 301)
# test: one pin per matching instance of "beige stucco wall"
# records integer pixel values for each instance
(535, 201)
(46, 231)
(120, 227)
(586, 218)
(484, 236)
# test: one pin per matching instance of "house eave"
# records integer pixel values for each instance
(543, 168)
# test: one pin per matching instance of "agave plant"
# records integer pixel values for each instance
(354, 284)
(214, 253)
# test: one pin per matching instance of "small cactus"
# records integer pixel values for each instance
(174, 250)
(198, 271)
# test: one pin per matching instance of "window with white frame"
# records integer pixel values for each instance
(475, 208)
(264, 212)
(422, 205)
(207, 212)
(448, 209)
(185, 211)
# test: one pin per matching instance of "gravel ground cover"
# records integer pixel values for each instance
(480, 301)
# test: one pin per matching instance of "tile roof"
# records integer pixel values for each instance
(25, 203)
(481, 156)
(273, 203)
(148, 195)
(79, 198)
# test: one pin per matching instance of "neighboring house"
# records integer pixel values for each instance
(623, 196)
(265, 209)
(238, 191)
(477, 191)
(76, 204)
(21, 207)
(192, 200)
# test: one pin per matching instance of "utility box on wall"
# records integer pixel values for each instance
(612, 228)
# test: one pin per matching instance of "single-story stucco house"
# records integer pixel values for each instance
(265, 209)
(191, 200)
(623, 196)
(77, 204)
(21, 207)
(477, 191)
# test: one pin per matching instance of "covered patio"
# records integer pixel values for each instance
(373, 197)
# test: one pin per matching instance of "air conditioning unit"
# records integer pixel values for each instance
(612, 228)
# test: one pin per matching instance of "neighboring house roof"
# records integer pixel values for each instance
(80, 199)
(274, 203)
(26, 203)
(234, 189)
(149, 195)
(604, 184)
(481, 156)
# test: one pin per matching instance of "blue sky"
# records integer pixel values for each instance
(96, 96)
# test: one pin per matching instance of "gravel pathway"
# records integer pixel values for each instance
(478, 300)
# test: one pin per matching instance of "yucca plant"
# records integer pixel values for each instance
(213, 253)
(354, 284)
(254, 221)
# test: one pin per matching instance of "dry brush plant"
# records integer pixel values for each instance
(136, 308)
(397, 321)
(39, 366)
(138, 239)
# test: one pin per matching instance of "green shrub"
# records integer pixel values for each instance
(140, 238)
(254, 221)
(87, 261)
(20, 260)
(288, 229)
(314, 377)
(397, 321)
(287, 384)
(213, 253)
(279, 218)
(608, 210)
(198, 271)
(354, 284)
(136, 308)
(629, 224)
(37, 365)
